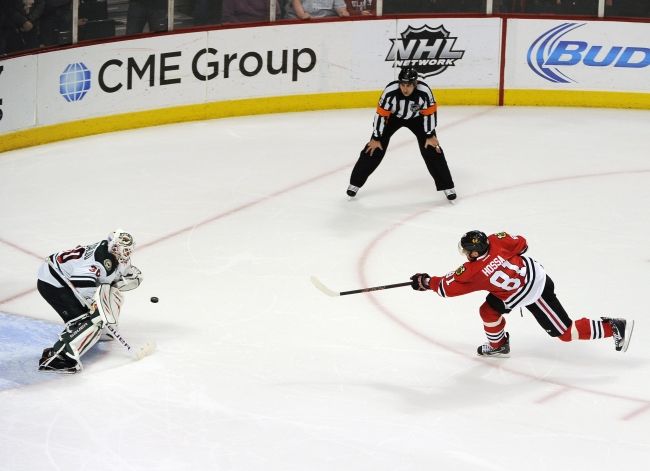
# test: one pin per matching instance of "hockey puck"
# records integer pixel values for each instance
(154, 299)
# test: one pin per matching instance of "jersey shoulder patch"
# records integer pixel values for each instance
(105, 258)
(501, 235)
(460, 270)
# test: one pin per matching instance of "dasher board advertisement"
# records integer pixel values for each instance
(234, 64)
(17, 93)
(578, 55)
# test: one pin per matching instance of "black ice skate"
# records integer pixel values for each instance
(622, 331)
(487, 350)
(352, 191)
(61, 363)
(450, 194)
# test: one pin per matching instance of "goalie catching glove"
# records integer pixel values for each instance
(420, 281)
(129, 280)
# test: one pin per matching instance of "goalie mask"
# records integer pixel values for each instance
(121, 244)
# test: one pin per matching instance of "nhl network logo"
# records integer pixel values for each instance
(429, 49)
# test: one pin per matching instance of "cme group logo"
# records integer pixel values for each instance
(74, 82)
(430, 50)
(550, 52)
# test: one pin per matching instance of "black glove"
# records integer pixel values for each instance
(420, 281)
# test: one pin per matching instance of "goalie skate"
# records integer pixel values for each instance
(58, 363)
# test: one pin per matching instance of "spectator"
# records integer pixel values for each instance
(207, 12)
(404, 6)
(628, 8)
(510, 6)
(23, 22)
(308, 9)
(3, 10)
(361, 7)
(454, 6)
(250, 11)
(56, 19)
(151, 13)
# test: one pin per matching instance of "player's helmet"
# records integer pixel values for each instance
(408, 75)
(121, 244)
(473, 241)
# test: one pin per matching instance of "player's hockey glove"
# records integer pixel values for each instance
(420, 281)
(130, 280)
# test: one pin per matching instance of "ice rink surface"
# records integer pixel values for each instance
(256, 370)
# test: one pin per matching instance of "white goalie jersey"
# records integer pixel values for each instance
(87, 267)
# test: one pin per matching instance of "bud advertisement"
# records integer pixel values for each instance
(578, 55)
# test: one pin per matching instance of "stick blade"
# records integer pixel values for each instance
(145, 350)
(320, 286)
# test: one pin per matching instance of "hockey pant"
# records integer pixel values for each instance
(549, 314)
(436, 162)
(62, 300)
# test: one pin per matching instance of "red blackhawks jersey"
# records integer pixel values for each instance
(503, 270)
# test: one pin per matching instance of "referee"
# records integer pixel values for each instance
(406, 102)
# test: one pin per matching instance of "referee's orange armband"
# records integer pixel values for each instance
(430, 110)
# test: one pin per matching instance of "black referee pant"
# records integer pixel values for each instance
(436, 162)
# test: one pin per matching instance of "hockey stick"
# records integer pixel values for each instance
(318, 284)
(146, 349)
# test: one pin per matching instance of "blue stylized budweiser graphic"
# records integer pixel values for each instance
(550, 51)
(541, 49)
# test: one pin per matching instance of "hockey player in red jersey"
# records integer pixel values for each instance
(497, 264)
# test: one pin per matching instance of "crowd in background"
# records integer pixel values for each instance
(31, 24)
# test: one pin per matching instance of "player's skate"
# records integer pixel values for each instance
(622, 332)
(450, 194)
(487, 350)
(352, 191)
(58, 363)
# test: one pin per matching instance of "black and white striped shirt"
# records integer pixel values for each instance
(420, 103)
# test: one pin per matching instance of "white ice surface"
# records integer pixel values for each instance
(256, 370)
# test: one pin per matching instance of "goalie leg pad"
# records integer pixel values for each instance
(73, 342)
(109, 300)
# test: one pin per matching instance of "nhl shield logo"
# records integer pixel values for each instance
(430, 50)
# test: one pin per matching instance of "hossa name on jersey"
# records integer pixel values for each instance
(493, 265)
(503, 270)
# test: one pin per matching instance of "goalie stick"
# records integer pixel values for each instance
(144, 350)
(319, 284)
